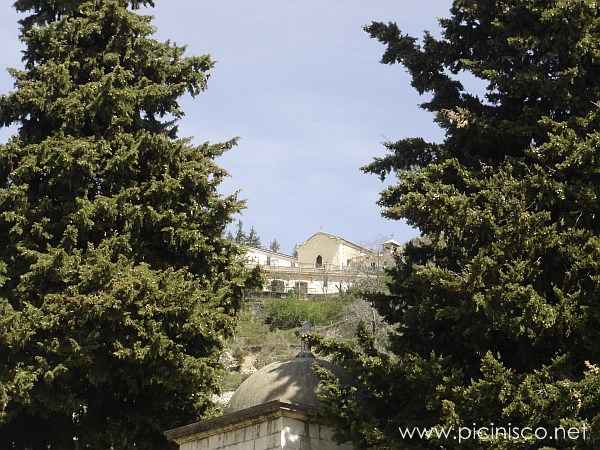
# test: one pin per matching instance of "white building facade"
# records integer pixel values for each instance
(261, 257)
(326, 264)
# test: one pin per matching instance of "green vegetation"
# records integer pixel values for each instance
(117, 289)
(262, 344)
(251, 238)
(232, 380)
(292, 312)
(259, 340)
(496, 310)
(254, 336)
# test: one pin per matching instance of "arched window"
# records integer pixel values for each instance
(319, 262)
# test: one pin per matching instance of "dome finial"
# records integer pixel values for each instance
(305, 350)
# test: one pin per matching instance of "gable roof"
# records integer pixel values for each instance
(339, 238)
(271, 252)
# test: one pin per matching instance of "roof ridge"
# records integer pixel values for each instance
(354, 244)
(271, 251)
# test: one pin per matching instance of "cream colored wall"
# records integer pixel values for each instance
(348, 252)
(299, 434)
(276, 433)
(319, 244)
(259, 436)
(335, 252)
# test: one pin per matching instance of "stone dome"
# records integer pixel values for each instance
(290, 382)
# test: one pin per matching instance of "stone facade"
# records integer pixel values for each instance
(275, 425)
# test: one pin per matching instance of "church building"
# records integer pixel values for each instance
(327, 251)
(325, 264)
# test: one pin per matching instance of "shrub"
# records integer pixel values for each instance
(291, 313)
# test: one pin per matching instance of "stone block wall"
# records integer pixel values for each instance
(272, 433)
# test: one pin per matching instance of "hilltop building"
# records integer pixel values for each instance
(326, 264)
(277, 407)
(262, 257)
(327, 251)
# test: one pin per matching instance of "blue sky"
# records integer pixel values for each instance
(300, 83)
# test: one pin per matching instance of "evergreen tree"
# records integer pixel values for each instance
(253, 240)
(496, 312)
(240, 236)
(117, 288)
(274, 246)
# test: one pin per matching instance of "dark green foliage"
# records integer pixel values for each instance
(117, 288)
(497, 310)
(241, 237)
(253, 240)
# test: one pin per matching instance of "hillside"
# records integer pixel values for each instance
(268, 331)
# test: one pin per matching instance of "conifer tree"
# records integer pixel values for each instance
(253, 239)
(240, 235)
(117, 288)
(496, 311)
(274, 246)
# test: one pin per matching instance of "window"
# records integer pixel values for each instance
(268, 260)
(301, 287)
(319, 262)
(278, 286)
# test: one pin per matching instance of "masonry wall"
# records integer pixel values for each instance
(274, 433)
(299, 434)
